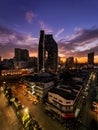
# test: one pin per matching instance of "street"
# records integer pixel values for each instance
(8, 118)
(37, 112)
(87, 114)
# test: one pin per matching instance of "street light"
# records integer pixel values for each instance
(4, 84)
(26, 110)
(26, 116)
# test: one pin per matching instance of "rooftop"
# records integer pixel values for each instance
(63, 93)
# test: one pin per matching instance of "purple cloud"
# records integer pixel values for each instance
(77, 45)
(29, 16)
(10, 39)
(80, 43)
(59, 32)
(45, 27)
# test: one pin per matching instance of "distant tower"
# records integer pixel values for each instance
(21, 58)
(76, 63)
(47, 52)
(91, 60)
(21, 54)
(69, 62)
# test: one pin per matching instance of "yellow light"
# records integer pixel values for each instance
(26, 110)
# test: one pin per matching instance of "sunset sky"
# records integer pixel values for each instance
(73, 23)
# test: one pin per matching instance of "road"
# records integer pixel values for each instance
(87, 114)
(46, 122)
(8, 118)
(37, 112)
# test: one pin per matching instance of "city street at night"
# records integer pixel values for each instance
(48, 65)
(8, 118)
(37, 111)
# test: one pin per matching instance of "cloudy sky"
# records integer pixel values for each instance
(73, 23)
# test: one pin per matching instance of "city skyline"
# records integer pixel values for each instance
(73, 23)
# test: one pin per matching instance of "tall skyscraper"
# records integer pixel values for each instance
(21, 54)
(47, 52)
(41, 50)
(0, 67)
(91, 59)
(21, 58)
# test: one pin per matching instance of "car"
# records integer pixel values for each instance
(94, 103)
(29, 98)
(39, 128)
(35, 123)
(34, 102)
(84, 102)
(49, 113)
(86, 89)
(24, 93)
(92, 108)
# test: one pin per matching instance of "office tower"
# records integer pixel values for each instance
(21, 54)
(91, 59)
(47, 52)
(51, 53)
(0, 67)
(21, 58)
(41, 50)
(69, 62)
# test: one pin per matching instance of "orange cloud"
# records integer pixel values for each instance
(80, 59)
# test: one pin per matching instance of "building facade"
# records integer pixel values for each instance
(47, 53)
(91, 60)
(21, 54)
(21, 58)
(63, 101)
(39, 84)
(0, 66)
(69, 63)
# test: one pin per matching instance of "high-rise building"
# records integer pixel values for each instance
(91, 59)
(47, 52)
(21, 54)
(41, 50)
(69, 62)
(21, 58)
(0, 67)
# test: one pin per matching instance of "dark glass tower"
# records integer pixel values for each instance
(21, 54)
(47, 53)
(41, 50)
(51, 53)
(0, 66)
(91, 59)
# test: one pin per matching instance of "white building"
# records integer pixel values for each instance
(63, 100)
(39, 84)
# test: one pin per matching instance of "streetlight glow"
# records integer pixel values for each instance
(26, 110)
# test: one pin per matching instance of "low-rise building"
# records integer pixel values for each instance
(63, 100)
(39, 84)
